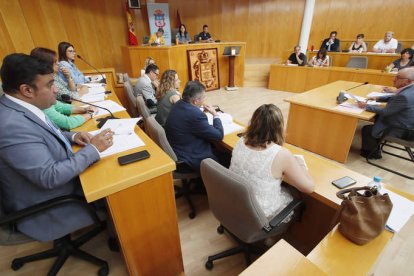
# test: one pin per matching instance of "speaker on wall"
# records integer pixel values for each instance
(134, 4)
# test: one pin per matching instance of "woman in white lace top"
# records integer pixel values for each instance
(260, 158)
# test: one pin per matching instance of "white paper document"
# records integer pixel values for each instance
(124, 136)
(92, 98)
(92, 84)
(96, 90)
(402, 210)
(111, 105)
(349, 107)
(96, 78)
(378, 94)
(227, 121)
(355, 97)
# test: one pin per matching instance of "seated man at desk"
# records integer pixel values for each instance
(386, 45)
(148, 84)
(399, 112)
(205, 36)
(37, 162)
(331, 44)
(188, 130)
(157, 38)
(297, 57)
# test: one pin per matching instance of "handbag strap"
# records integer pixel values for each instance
(341, 194)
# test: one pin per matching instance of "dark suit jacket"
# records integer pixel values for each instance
(189, 133)
(399, 111)
(36, 166)
(335, 47)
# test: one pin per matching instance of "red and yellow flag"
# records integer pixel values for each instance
(131, 30)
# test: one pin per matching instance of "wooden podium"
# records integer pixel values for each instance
(232, 52)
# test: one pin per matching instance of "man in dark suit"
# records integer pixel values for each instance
(331, 44)
(399, 112)
(36, 159)
(187, 127)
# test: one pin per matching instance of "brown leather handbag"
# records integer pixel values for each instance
(363, 214)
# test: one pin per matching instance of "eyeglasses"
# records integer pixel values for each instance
(157, 74)
(71, 51)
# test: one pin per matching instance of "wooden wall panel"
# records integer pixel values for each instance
(96, 28)
(372, 18)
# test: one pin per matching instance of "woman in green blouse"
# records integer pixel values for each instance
(59, 112)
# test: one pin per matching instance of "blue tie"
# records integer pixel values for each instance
(59, 134)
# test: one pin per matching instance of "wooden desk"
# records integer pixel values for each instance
(315, 125)
(303, 78)
(175, 57)
(282, 259)
(140, 198)
(331, 252)
(375, 61)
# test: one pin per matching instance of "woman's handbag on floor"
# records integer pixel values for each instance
(363, 214)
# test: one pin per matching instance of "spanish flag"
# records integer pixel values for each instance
(131, 30)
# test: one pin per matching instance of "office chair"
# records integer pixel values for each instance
(132, 100)
(62, 247)
(157, 133)
(357, 62)
(174, 32)
(145, 40)
(405, 144)
(233, 203)
(399, 48)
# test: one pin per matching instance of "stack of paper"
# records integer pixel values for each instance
(379, 94)
(227, 121)
(91, 84)
(124, 136)
(96, 90)
(111, 105)
(402, 210)
(91, 98)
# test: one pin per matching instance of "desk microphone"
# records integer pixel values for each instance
(357, 86)
(99, 72)
(342, 98)
(68, 99)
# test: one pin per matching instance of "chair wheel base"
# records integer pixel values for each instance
(103, 271)
(113, 245)
(220, 229)
(16, 264)
(192, 215)
(209, 265)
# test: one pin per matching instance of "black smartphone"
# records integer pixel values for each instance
(133, 157)
(240, 134)
(343, 182)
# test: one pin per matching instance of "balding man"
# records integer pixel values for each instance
(386, 45)
(399, 112)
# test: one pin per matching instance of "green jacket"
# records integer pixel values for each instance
(59, 114)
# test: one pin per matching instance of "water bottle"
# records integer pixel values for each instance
(376, 182)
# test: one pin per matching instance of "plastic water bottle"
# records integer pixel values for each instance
(376, 182)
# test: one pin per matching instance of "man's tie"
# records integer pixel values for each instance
(59, 134)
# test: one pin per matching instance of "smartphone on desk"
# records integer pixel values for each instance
(343, 182)
(133, 157)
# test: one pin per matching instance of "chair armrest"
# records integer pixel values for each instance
(49, 204)
(277, 220)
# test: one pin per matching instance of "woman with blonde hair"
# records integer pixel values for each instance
(148, 61)
(167, 95)
(260, 158)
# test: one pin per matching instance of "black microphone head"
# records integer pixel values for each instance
(78, 56)
(66, 98)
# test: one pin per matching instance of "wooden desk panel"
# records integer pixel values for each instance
(141, 201)
(175, 57)
(314, 123)
(282, 259)
(300, 79)
(375, 61)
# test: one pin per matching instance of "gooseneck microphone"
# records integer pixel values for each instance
(68, 99)
(99, 72)
(357, 86)
(342, 98)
